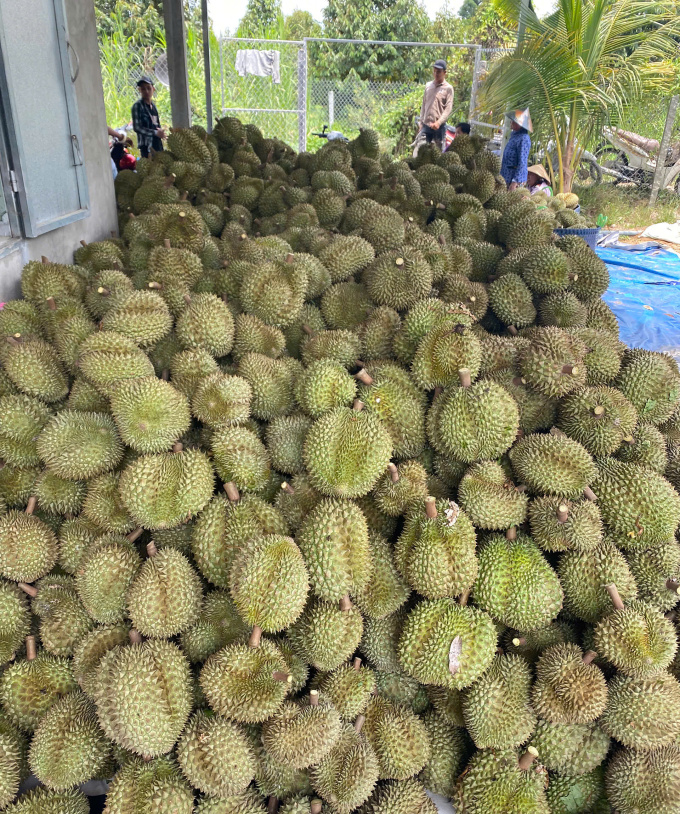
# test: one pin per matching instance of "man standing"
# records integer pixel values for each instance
(437, 105)
(146, 121)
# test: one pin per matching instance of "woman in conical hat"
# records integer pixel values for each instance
(516, 154)
(538, 180)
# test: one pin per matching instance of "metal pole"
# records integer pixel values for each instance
(523, 9)
(222, 72)
(331, 108)
(205, 24)
(178, 72)
(302, 97)
(475, 81)
(663, 149)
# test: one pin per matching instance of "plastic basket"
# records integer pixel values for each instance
(589, 235)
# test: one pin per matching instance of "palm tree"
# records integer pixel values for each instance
(582, 67)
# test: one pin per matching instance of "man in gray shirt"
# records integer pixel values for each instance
(437, 105)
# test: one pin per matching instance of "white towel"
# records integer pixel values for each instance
(259, 63)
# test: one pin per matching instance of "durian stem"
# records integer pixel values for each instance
(588, 494)
(51, 303)
(357, 664)
(615, 596)
(315, 807)
(44, 259)
(598, 411)
(13, 341)
(313, 698)
(345, 603)
(520, 434)
(518, 380)
(442, 240)
(83, 243)
(232, 491)
(290, 258)
(528, 758)
(465, 377)
(512, 330)
(31, 652)
(178, 446)
(165, 374)
(255, 636)
(154, 286)
(431, 507)
(464, 597)
(187, 299)
(167, 244)
(358, 405)
(437, 391)
(673, 585)
(103, 291)
(169, 181)
(589, 657)
(281, 675)
(359, 723)
(511, 533)
(151, 549)
(521, 487)
(184, 196)
(308, 330)
(364, 377)
(394, 472)
(272, 805)
(135, 535)
(28, 589)
(135, 637)
(518, 641)
(32, 503)
(562, 513)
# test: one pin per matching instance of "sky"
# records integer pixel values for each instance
(226, 14)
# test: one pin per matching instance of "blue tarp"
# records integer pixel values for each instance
(644, 293)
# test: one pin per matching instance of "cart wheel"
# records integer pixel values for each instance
(676, 185)
(610, 157)
(589, 173)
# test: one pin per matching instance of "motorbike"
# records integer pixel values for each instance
(630, 158)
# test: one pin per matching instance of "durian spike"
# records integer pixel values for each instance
(281, 675)
(178, 446)
(30, 648)
(673, 585)
(518, 641)
(32, 503)
(511, 533)
(615, 596)
(83, 243)
(358, 405)
(315, 807)
(464, 597)
(255, 636)
(272, 805)
(431, 507)
(394, 472)
(151, 549)
(232, 491)
(135, 637)
(357, 664)
(51, 303)
(135, 535)
(28, 589)
(359, 723)
(528, 758)
(465, 377)
(588, 494)
(345, 603)
(313, 698)
(562, 513)
(589, 657)
(167, 243)
(364, 377)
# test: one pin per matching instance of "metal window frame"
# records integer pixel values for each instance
(16, 158)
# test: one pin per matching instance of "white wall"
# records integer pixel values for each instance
(60, 244)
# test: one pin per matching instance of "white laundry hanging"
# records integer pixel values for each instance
(251, 62)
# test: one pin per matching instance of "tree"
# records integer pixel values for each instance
(261, 16)
(468, 8)
(301, 24)
(582, 67)
(137, 21)
(397, 20)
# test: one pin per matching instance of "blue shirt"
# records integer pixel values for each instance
(516, 158)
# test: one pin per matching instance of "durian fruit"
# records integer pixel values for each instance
(10, 768)
(516, 585)
(327, 633)
(334, 542)
(385, 591)
(57, 495)
(553, 361)
(274, 291)
(399, 797)
(347, 775)
(511, 301)
(642, 782)
(92, 647)
(28, 547)
(449, 346)
(45, 801)
(651, 382)
(553, 464)
(246, 682)
(285, 437)
(641, 712)
(220, 400)
(215, 755)
(218, 625)
(206, 323)
(63, 618)
(106, 358)
(638, 505)
(103, 507)
(29, 687)
(656, 572)
(33, 367)
(189, 368)
(141, 316)
(145, 786)
(346, 305)
(241, 458)
(489, 497)
(21, 420)
(349, 688)
(271, 382)
(268, 582)
(546, 270)
(446, 644)
(496, 708)
(68, 746)
(160, 676)
(103, 576)
(346, 451)
(565, 525)
(15, 620)
(324, 385)
(586, 792)
(164, 596)
(401, 488)
(166, 489)
(600, 418)
(447, 749)
(247, 802)
(645, 446)
(435, 553)
(572, 749)
(254, 336)
(636, 638)
(399, 278)
(302, 734)
(398, 737)
(496, 781)
(569, 688)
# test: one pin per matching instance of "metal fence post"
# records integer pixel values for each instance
(331, 108)
(205, 24)
(663, 149)
(302, 96)
(222, 73)
(476, 70)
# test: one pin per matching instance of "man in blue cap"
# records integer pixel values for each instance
(437, 105)
(146, 121)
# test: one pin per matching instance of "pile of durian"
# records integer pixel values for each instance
(328, 484)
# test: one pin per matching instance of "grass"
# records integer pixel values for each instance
(627, 207)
